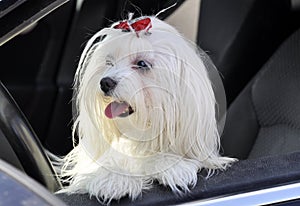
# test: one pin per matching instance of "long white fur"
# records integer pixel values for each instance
(171, 135)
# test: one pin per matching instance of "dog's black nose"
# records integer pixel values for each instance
(107, 84)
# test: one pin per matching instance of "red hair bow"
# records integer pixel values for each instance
(136, 24)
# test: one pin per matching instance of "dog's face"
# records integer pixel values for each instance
(150, 87)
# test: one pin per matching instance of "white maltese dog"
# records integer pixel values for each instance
(145, 111)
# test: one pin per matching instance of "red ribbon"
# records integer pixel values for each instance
(137, 25)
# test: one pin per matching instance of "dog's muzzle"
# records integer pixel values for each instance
(115, 108)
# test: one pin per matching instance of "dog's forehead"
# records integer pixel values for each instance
(125, 47)
(120, 47)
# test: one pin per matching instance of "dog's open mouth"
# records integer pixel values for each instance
(118, 109)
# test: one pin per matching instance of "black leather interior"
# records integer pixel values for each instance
(29, 65)
(265, 118)
(240, 36)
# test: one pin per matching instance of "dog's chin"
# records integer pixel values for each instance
(118, 109)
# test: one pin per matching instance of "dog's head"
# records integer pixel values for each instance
(140, 80)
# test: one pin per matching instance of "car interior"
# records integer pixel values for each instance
(254, 44)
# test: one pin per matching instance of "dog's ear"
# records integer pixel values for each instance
(88, 125)
(197, 135)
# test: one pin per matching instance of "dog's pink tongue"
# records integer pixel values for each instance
(114, 109)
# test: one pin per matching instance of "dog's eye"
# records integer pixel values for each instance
(109, 62)
(141, 64)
